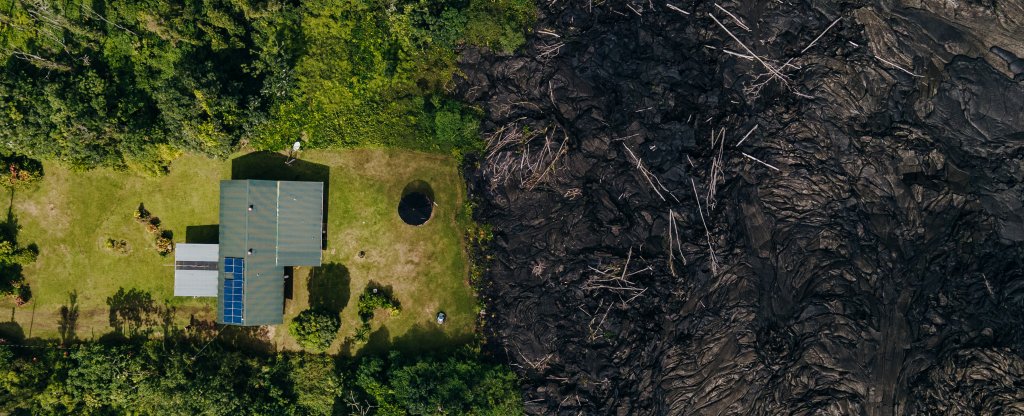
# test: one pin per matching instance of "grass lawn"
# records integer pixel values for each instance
(71, 214)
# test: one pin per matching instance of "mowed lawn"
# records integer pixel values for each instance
(71, 214)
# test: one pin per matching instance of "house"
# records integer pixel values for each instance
(265, 227)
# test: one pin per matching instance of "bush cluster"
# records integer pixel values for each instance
(12, 258)
(117, 246)
(374, 297)
(163, 241)
(20, 170)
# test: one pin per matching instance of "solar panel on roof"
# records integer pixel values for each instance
(234, 290)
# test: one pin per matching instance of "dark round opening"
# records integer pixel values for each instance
(417, 203)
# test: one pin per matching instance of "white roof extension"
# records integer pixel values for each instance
(195, 270)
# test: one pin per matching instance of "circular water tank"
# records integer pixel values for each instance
(417, 204)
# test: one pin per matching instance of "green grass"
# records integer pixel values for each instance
(70, 215)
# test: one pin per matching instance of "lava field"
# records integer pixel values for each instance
(757, 207)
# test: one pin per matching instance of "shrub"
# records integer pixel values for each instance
(12, 254)
(363, 332)
(499, 24)
(375, 297)
(118, 246)
(21, 170)
(153, 225)
(142, 215)
(22, 294)
(164, 245)
(315, 329)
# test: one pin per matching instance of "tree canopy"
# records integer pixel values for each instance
(315, 329)
(132, 84)
(168, 377)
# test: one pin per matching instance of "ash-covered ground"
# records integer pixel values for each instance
(758, 207)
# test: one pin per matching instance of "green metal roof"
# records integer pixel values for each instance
(281, 223)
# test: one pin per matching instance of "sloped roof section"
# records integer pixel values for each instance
(300, 223)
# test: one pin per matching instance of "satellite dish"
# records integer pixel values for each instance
(296, 146)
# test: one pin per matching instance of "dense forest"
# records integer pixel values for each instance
(171, 377)
(133, 84)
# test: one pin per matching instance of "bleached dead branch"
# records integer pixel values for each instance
(988, 287)
(819, 36)
(894, 65)
(617, 281)
(711, 249)
(539, 364)
(670, 6)
(771, 69)
(746, 135)
(652, 180)
(716, 168)
(595, 325)
(675, 242)
(760, 161)
(358, 407)
(514, 154)
(734, 18)
(550, 50)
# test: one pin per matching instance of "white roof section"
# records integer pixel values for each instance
(197, 283)
(196, 252)
(196, 269)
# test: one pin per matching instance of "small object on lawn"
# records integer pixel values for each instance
(362, 254)
(441, 317)
(374, 290)
(295, 150)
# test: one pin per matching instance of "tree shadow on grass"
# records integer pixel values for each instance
(10, 273)
(134, 313)
(67, 323)
(421, 339)
(11, 332)
(264, 165)
(248, 338)
(328, 287)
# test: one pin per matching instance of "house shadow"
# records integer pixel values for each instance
(202, 234)
(266, 165)
(328, 287)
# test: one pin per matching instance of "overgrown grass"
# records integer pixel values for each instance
(71, 215)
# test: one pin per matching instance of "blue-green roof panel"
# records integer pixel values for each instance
(300, 224)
